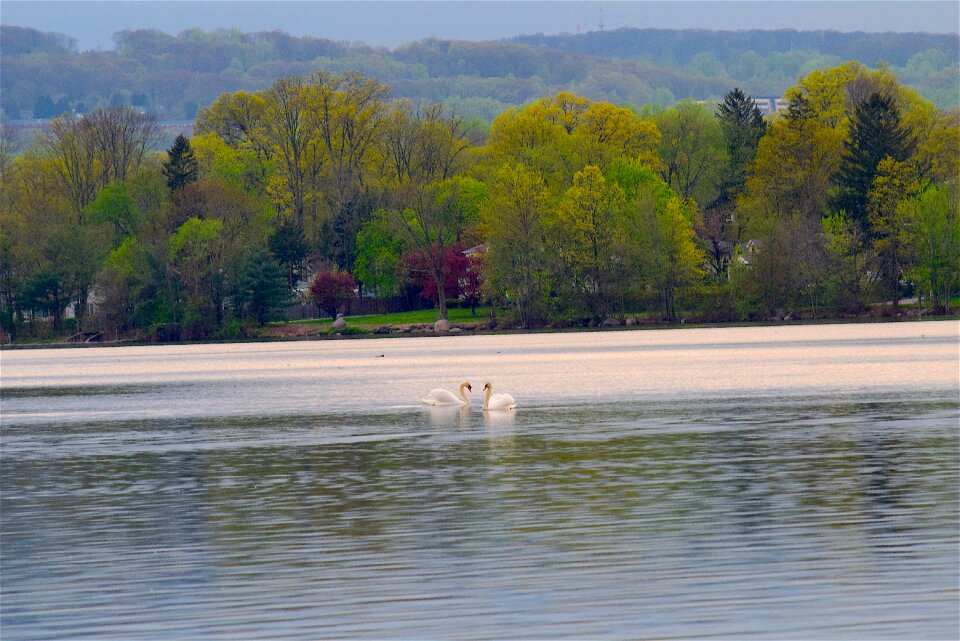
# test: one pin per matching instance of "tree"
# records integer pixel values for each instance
(657, 242)
(434, 218)
(792, 172)
(195, 259)
(122, 137)
(847, 278)
(559, 136)
(290, 138)
(892, 184)
(932, 231)
(378, 255)
(691, 151)
(742, 125)
(262, 290)
(70, 146)
(876, 133)
(180, 167)
(349, 118)
(455, 273)
(517, 261)
(115, 206)
(332, 290)
(289, 247)
(583, 236)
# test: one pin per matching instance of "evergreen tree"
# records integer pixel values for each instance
(743, 126)
(876, 132)
(262, 291)
(289, 245)
(181, 166)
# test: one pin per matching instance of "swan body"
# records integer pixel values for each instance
(497, 401)
(444, 397)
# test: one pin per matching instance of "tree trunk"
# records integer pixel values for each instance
(441, 294)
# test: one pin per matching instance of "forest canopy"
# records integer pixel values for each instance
(565, 211)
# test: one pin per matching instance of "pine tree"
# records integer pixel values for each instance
(181, 167)
(289, 245)
(743, 126)
(262, 291)
(876, 133)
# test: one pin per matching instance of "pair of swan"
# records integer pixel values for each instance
(490, 401)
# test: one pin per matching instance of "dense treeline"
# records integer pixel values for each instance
(566, 211)
(173, 76)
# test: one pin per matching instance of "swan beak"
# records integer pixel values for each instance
(469, 388)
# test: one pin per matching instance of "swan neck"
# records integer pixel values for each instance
(463, 395)
(486, 398)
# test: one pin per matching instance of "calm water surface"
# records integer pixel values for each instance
(779, 483)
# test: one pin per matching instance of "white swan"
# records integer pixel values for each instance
(497, 401)
(443, 397)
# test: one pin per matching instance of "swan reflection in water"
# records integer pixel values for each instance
(499, 420)
(449, 415)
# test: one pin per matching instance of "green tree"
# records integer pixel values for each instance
(742, 125)
(932, 231)
(195, 259)
(180, 167)
(115, 206)
(517, 261)
(583, 235)
(289, 247)
(893, 183)
(658, 242)
(876, 132)
(262, 290)
(691, 151)
(378, 255)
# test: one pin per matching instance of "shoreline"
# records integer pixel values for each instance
(402, 331)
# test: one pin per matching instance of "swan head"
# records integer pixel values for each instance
(469, 387)
(488, 386)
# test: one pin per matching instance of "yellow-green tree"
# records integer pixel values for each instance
(559, 136)
(656, 241)
(583, 233)
(517, 262)
(931, 232)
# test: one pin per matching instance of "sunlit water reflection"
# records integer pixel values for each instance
(795, 482)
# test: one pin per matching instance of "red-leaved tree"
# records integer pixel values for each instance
(455, 273)
(332, 290)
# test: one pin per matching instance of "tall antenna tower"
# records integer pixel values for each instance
(601, 18)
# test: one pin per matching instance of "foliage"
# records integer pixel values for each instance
(262, 290)
(180, 167)
(289, 247)
(378, 256)
(742, 126)
(876, 133)
(575, 210)
(931, 224)
(332, 290)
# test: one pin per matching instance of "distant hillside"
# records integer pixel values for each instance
(44, 75)
(767, 62)
(671, 46)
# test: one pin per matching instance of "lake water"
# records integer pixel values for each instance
(774, 482)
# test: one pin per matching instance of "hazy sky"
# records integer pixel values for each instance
(392, 23)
